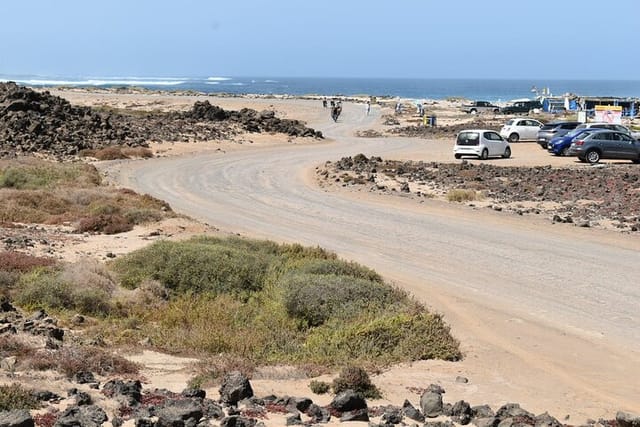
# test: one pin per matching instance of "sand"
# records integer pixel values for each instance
(495, 376)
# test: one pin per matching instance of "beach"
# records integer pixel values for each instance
(513, 352)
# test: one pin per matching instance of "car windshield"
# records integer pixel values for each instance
(468, 138)
(510, 122)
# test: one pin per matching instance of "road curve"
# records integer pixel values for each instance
(539, 286)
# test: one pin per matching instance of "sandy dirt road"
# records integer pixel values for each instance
(548, 315)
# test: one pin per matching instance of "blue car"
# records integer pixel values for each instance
(560, 144)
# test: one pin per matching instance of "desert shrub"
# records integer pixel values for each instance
(71, 359)
(107, 153)
(383, 338)
(106, 223)
(319, 387)
(212, 369)
(194, 266)
(15, 396)
(12, 345)
(138, 216)
(462, 195)
(140, 152)
(12, 261)
(336, 267)
(50, 289)
(7, 281)
(356, 379)
(221, 323)
(316, 298)
(89, 273)
(37, 174)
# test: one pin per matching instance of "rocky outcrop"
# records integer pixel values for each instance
(38, 122)
(585, 197)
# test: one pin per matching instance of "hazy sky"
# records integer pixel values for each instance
(572, 39)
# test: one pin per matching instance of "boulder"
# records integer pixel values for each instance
(235, 387)
(626, 419)
(348, 400)
(431, 404)
(85, 416)
(179, 413)
(17, 418)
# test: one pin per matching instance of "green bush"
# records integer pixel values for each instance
(336, 267)
(315, 298)
(383, 338)
(194, 266)
(356, 379)
(48, 289)
(319, 387)
(15, 396)
(32, 175)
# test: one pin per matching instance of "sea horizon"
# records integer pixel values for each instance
(496, 90)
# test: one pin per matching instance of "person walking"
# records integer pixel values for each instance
(368, 107)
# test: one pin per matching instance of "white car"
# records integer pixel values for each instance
(520, 129)
(482, 143)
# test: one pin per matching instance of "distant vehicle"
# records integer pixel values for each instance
(477, 107)
(482, 143)
(560, 144)
(604, 125)
(605, 144)
(520, 129)
(521, 107)
(553, 129)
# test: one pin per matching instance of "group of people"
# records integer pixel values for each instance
(336, 108)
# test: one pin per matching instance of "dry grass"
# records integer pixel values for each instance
(117, 152)
(50, 193)
(13, 261)
(72, 359)
(463, 195)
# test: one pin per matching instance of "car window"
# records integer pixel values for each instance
(510, 122)
(620, 128)
(521, 123)
(468, 138)
(492, 136)
(568, 126)
(581, 126)
(622, 137)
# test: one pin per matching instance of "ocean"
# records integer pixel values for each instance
(495, 90)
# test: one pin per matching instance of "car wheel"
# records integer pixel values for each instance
(457, 156)
(507, 153)
(592, 156)
(496, 111)
(636, 161)
(484, 155)
(514, 137)
(473, 111)
(565, 151)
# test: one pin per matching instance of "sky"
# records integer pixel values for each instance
(550, 39)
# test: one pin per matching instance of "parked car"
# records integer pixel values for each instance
(604, 125)
(480, 107)
(520, 129)
(482, 143)
(560, 144)
(553, 129)
(521, 107)
(605, 144)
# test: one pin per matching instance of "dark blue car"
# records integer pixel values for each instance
(560, 144)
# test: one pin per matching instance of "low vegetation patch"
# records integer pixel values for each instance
(356, 379)
(73, 359)
(115, 152)
(15, 396)
(37, 191)
(463, 195)
(265, 303)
